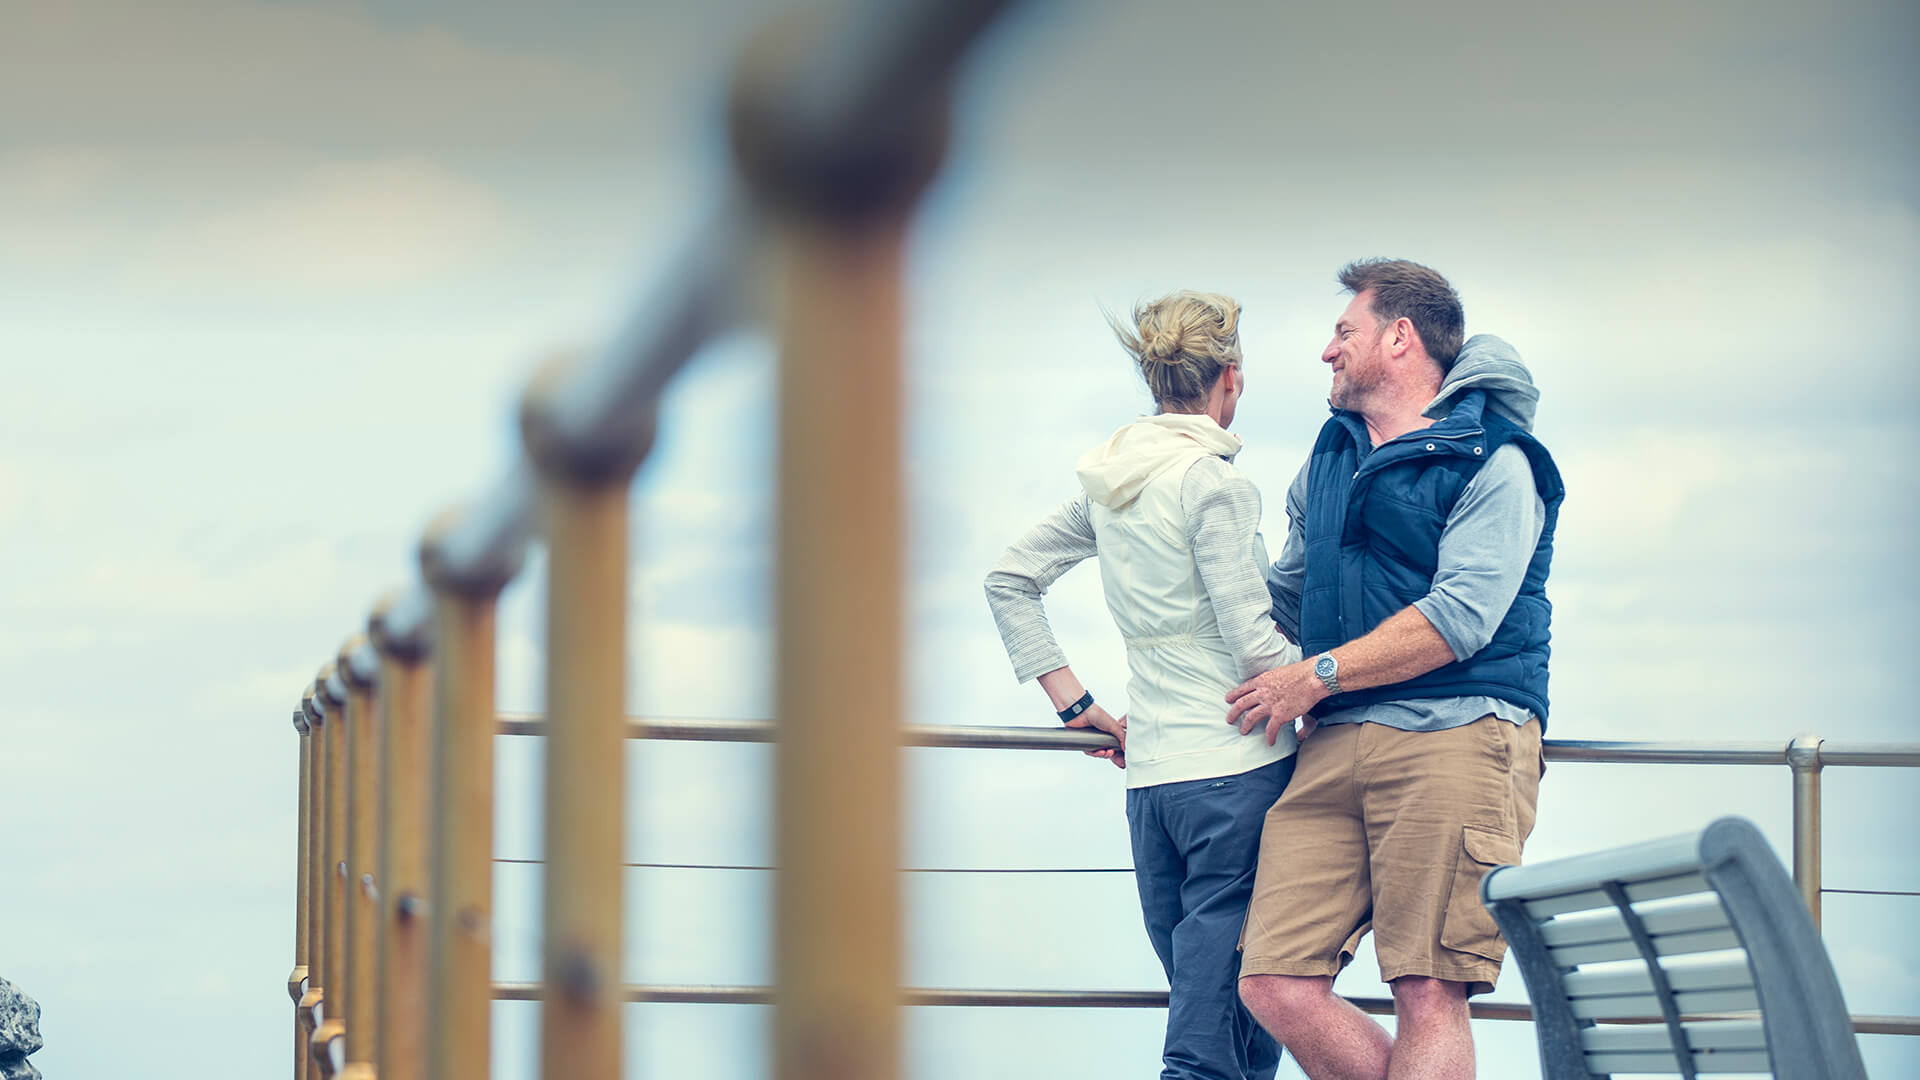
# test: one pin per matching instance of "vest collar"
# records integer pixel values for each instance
(1462, 433)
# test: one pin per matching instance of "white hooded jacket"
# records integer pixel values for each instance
(1182, 664)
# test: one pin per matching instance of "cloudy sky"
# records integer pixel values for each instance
(272, 272)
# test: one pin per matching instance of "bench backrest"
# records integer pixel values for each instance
(1678, 931)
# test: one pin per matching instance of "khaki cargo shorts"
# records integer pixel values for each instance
(1391, 831)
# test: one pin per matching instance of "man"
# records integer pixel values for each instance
(1414, 578)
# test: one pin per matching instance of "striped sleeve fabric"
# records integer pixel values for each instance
(1223, 528)
(1016, 583)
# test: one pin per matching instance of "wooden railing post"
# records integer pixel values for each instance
(297, 978)
(836, 152)
(406, 792)
(460, 876)
(313, 885)
(583, 514)
(331, 695)
(358, 667)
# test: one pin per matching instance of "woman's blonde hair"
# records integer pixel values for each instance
(1181, 342)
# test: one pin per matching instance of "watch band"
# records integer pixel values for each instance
(1328, 669)
(1078, 707)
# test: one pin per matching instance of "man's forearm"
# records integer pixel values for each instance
(1404, 646)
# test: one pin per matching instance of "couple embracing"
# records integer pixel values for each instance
(1404, 628)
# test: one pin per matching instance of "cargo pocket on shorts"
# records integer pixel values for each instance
(1469, 926)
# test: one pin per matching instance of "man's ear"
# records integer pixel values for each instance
(1401, 337)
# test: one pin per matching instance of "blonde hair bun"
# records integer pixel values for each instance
(1181, 342)
(1165, 346)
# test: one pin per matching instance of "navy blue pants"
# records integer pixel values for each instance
(1194, 848)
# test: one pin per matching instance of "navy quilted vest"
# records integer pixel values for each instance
(1373, 540)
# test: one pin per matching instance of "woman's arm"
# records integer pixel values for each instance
(1014, 586)
(1223, 529)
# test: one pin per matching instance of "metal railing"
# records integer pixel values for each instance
(836, 127)
(1803, 755)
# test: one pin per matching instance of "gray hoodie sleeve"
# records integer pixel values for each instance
(1014, 586)
(1288, 574)
(1223, 529)
(1484, 551)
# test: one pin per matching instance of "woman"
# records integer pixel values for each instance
(1175, 527)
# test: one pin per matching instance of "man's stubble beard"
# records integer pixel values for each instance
(1351, 394)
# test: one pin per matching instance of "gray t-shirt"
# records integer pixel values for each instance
(1484, 551)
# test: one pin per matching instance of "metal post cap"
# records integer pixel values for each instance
(316, 713)
(1803, 751)
(567, 441)
(358, 664)
(300, 719)
(400, 626)
(328, 1046)
(327, 687)
(474, 550)
(820, 130)
(297, 984)
(309, 1006)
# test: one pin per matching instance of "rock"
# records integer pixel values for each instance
(19, 1029)
(20, 1068)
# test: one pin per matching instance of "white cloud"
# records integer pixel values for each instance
(1629, 495)
(155, 583)
(697, 670)
(361, 225)
(355, 225)
(55, 175)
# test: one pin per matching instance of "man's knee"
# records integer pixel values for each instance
(1276, 999)
(1419, 996)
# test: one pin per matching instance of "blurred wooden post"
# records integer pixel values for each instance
(297, 979)
(460, 952)
(356, 666)
(406, 792)
(583, 515)
(313, 885)
(331, 695)
(838, 184)
(838, 698)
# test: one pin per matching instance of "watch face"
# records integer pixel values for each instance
(1324, 667)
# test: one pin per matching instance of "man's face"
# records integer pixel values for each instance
(1355, 354)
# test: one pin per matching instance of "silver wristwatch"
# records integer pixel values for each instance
(1328, 669)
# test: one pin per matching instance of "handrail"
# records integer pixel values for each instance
(1014, 737)
(679, 729)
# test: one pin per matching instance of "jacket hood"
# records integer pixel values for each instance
(1114, 473)
(1490, 364)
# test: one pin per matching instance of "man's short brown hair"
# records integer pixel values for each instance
(1407, 290)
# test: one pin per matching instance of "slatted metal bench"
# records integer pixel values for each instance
(1684, 930)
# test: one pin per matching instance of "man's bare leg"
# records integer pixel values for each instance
(1330, 1038)
(1433, 1036)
